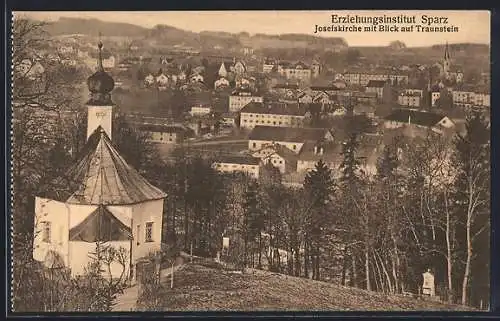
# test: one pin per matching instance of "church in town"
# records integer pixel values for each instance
(105, 200)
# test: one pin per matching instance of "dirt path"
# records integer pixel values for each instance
(127, 301)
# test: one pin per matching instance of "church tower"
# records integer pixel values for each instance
(446, 62)
(100, 106)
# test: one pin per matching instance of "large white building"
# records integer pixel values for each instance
(102, 200)
(273, 114)
(362, 78)
(469, 97)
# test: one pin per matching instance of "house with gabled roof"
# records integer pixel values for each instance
(291, 137)
(278, 156)
(299, 71)
(239, 67)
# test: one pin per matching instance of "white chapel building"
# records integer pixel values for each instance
(105, 199)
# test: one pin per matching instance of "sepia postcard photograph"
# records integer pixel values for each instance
(250, 161)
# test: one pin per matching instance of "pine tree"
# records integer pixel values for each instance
(389, 191)
(319, 186)
(350, 180)
(253, 222)
(350, 163)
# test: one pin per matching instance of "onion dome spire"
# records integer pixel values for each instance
(100, 84)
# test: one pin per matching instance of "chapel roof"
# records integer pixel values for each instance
(101, 176)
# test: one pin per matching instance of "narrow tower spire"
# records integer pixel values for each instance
(446, 52)
(99, 57)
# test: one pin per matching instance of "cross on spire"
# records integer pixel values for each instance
(99, 59)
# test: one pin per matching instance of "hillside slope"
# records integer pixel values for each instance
(92, 27)
(203, 287)
(168, 35)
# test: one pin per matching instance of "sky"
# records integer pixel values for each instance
(473, 26)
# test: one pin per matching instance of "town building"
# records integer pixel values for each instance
(101, 198)
(362, 78)
(239, 67)
(162, 80)
(468, 96)
(240, 98)
(164, 134)
(149, 80)
(410, 99)
(435, 95)
(200, 110)
(377, 87)
(291, 137)
(221, 83)
(418, 120)
(273, 114)
(268, 65)
(196, 78)
(298, 71)
(223, 70)
(30, 69)
(305, 97)
(413, 91)
(239, 163)
(278, 156)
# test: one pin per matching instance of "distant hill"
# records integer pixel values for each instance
(463, 47)
(92, 27)
(167, 35)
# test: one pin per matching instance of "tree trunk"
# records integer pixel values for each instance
(317, 264)
(344, 267)
(449, 259)
(306, 259)
(260, 251)
(354, 272)
(388, 278)
(245, 249)
(367, 269)
(379, 274)
(465, 283)
(297, 261)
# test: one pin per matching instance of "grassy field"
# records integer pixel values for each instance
(209, 287)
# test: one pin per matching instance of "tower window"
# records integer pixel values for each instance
(149, 232)
(138, 232)
(47, 229)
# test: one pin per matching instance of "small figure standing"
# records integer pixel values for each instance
(428, 287)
